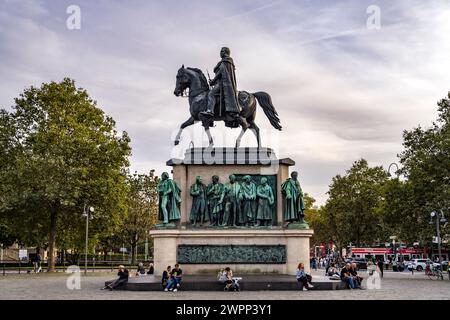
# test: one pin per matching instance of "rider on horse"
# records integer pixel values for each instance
(224, 84)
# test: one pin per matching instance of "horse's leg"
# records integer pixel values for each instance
(185, 124)
(210, 139)
(255, 130)
(238, 140)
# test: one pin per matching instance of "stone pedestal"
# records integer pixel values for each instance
(206, 162)
(294, 242)
(272, 249)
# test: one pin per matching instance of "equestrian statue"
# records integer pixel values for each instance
(222, 102)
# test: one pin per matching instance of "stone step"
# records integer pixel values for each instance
(248, 283)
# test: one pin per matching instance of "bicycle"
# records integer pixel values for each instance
(434, 273)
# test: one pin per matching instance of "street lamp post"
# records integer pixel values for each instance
(394, 237)
(440, 218)
(87, 213)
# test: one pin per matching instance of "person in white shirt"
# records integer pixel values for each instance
(303, 278)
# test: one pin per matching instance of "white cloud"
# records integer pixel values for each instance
(342, 91)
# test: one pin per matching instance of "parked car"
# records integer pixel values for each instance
(444, 265)
(361, 263)
(419, 264)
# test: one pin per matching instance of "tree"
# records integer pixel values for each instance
(60, 152)
(352, 210)
(316, 221)
(426, 166)
(142, 209)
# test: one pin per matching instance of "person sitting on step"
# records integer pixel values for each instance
(175, 279)
(303, 278)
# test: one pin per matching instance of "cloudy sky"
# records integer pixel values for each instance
(343, 91)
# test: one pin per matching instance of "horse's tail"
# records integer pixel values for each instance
(265, 101)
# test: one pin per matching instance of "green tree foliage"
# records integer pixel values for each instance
(142, 210)
(59, 151)
(316, 220)
(426, 166)
(351, 212)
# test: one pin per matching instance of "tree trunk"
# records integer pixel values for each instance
(52, 238)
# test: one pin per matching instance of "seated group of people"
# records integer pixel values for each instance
(226, 277)
(141, 270)
(333, 272)
(171, 278)
(349, 274)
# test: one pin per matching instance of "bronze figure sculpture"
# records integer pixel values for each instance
(199, 209)
(231, 197)
(214, 193)
(265, 203)
(247, 215)
(169, 199)
(294, 204)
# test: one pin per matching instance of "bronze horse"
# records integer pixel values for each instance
(194, 80)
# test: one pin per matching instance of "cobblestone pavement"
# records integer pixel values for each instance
(53, 286)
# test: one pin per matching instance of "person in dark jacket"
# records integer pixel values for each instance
(121, 281)
(380, 265)
(357, 279)
(151, 269)
(166, 276)
(140, 270)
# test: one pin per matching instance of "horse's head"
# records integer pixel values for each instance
(183, 81)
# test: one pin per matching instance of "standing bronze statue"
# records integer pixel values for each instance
(231, 197)
(199, 209)
(169, 199)
(235, 108)
(247, 215)
(214, 193)
(265, 203)
(294, 205)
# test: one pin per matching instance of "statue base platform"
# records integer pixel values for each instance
(206, 249)
(298, 225)
(206, 162)
(164, 226)
(202, 251)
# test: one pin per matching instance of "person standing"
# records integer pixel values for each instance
(380, 265)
